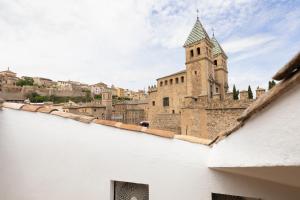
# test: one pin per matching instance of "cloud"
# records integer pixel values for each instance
(130, 43)
(237, 45)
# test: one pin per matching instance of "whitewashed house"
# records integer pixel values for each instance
(52, 157)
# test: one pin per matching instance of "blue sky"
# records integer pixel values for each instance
(130, 43)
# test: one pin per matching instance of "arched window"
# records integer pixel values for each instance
(166, 82)
(176, 80)
(192, 53)
(171, 81)
(161, 84)
(182, 79)
(215, 62)
(198, 51)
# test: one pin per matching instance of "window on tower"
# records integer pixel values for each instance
(171, 81)
(166, 82)
(182, 79)
(176, 80)
(161, 84)
(166, 101)
(198, 50)
(192, 53)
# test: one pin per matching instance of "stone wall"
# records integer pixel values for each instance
(205, 118)
(219, 120)
(170, 122)
(16, 93)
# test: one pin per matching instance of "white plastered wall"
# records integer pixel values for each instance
(48, 157)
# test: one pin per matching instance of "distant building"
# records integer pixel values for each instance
(45, 82)
(98, 109)
(97, 88)
(130, 112)
(8, 78)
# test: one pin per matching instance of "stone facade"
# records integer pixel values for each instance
(196, 101)
(98, 109)
(130, 112)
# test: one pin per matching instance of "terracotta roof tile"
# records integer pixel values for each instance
(290, 78)
(288, 69)
(15, 106)
(46, 109)
(105, 122)
(131, 127)
(270, 96)
(161, 133)
(193, 139)
(30, 108)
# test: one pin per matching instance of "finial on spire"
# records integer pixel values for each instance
(197, 14)
(213, 31)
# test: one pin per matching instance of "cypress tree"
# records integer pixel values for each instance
(235, 93)
(271, 84)
(250, 93)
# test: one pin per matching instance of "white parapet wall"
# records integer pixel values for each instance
(48, 157)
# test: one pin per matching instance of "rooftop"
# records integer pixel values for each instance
(176, 73)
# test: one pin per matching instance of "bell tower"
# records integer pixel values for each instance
(199, 62)
(220, 67)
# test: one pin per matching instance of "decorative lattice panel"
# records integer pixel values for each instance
(130, 191)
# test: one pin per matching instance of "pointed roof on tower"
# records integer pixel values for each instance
(198, 33)
(217, 49)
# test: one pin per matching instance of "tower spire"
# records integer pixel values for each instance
(197, 14)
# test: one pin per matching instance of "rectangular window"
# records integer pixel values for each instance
(153, 103)
(182, 79)
(198, 50)
(192, 53)
(166, 101)
(129, 191)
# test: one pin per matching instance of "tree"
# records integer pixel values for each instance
(250, 93)
(235, 93)
(25, 81)
(271, 84)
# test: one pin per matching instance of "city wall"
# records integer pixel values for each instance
(17, 93)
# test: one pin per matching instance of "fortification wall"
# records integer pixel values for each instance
(17, 93)
(204, 117)
(170, 122)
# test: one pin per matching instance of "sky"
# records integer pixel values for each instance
(131, 43)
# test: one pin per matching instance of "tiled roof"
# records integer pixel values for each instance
(198, 33)
(290, 78)
(114, 124)
(217, 49)
(176, 73)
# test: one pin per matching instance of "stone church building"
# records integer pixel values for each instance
(195, 101)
